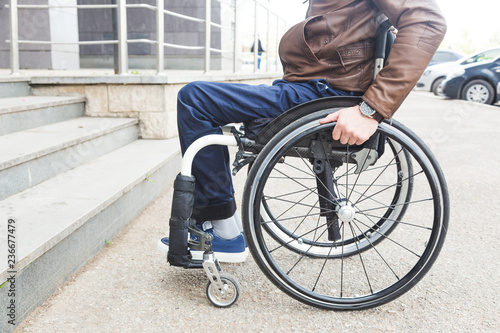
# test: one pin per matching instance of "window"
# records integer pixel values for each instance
(483, 56)
(444, 57)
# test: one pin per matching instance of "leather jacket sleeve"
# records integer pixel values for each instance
(421, 28)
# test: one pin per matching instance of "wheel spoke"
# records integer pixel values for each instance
(347, 174)
(297, 182)
(359, 174)
(342, 266)
(388, 187)
(297, 178)
(298, 169)
(298, 226)
(361, 259)
(294, 204)
(364, 185)
(378, 253)
(310, 189)
(322, 269)
(380, 203)
(385, 168)
(392, 206)
(305, 253)
(298, 237)
(397, 221)
(367, 170)
(297, 217)
(389, 238)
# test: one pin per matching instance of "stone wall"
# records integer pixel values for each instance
(155, 105)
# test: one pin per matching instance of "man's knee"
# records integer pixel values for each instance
(191, 100)
(191, 91)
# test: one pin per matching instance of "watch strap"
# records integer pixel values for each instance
(378, 117)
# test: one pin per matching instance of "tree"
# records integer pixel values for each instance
(494, 40)
(464, 43)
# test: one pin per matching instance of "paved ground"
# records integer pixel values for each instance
(128, 287)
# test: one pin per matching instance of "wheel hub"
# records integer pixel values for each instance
(346, 212)
(478, 94)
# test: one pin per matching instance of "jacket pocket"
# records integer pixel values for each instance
(427, 41)
(315, 36)
(351, 66)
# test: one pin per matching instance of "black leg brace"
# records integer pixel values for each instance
(180, 221)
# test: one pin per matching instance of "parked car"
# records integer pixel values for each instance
(435, 74)
(442, 56)
(476, 82)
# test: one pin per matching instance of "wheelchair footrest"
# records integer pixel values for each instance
(194, 264)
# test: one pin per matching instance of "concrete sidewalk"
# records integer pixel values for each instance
(129, 287)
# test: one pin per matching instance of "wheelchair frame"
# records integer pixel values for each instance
(296, 252)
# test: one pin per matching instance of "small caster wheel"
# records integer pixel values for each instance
(228, 295)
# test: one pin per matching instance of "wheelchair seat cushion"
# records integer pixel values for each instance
(255, 126)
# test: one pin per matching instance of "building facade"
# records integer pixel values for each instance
(71, 25)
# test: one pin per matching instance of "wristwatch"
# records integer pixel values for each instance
(370, 112)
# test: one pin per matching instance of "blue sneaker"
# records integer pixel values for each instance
(225, 250)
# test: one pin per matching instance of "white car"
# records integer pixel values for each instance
(435, 74)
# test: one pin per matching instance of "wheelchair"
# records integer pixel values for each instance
(339, 227)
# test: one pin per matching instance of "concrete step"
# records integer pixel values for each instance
(20, 113)
(32, 156)
(14, 87)
(63, 222)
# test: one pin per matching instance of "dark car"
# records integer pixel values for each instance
(445, 56)
(476, 82)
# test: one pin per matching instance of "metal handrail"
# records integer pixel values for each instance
(176, 46)
(189, 18)
(96, 42)
(121, 6)
(103, 6)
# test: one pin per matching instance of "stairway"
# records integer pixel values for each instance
(69, 183)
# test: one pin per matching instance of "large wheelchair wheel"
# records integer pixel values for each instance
(359, 241)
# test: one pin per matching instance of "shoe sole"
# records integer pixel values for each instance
(221, 256)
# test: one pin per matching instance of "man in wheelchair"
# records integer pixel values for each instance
(330, 53)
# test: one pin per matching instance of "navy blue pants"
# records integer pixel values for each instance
(202, 107)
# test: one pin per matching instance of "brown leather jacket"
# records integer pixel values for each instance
(336, 42)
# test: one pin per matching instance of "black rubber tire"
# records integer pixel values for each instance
(303, 278)
(478, 91)
(436, 87)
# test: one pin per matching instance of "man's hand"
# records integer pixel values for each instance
(352, 127)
